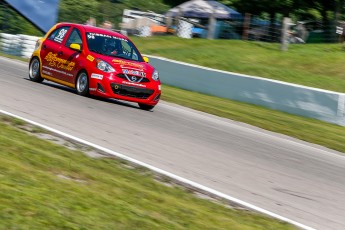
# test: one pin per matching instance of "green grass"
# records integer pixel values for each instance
(13, 57)
(315, 65)
(47, 186)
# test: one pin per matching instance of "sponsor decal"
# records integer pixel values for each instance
(134, 72)
(127, 63)
(94, 35)
(59, 38)
(97, 76)
(90, 58)
(131, 83)
(59, 63)
(92, 89)
(46, 72)
(57, 71)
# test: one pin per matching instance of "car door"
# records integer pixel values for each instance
(51, 54)
(73, 57)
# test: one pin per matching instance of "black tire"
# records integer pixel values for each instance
(34, 70)
(82, 84)
(145, 107)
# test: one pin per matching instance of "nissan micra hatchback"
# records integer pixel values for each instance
(95, 61)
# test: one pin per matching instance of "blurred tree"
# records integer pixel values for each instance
(110, 11)
(13, 23)
(331, 11)
(174, 3)
(270, 7)
(158, 6)
(105, 10)
(327, 10)
(78, 11)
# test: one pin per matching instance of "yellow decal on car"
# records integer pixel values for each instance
(90, 58)
(60, 63)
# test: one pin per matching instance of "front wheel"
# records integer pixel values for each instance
(145, 106)
(82, 84)
(34, 70)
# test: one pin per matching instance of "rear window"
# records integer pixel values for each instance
(59, 34)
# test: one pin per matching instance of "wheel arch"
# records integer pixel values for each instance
(76, 76)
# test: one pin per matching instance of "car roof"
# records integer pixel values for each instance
(93, 29)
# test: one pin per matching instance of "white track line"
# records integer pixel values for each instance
(163, 172)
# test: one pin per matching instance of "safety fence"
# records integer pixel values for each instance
(17, 44)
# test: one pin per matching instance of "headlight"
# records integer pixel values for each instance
(104, 66)
(155, 75)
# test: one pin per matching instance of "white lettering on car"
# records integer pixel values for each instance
(97, 76)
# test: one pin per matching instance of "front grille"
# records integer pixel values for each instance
(139, 79)
(131, 91)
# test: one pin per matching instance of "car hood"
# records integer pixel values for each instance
(128, 66)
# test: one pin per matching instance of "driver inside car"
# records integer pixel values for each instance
(110, 47)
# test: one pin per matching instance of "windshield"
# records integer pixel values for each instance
(112, 46)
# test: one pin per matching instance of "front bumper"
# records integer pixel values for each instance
(114, 87)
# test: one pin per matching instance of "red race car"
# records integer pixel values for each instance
(95, 61)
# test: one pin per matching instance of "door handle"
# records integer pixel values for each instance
(60, 53)
(44, 47)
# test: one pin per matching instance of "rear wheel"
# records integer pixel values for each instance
(34, 70)
(82, 84)
(145, 106)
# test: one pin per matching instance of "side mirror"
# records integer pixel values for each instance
(146, 59)
(75, 46)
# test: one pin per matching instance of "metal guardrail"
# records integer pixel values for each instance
(316, 103)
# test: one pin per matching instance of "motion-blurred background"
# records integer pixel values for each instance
(311, 21)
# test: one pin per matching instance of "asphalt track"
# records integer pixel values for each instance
(291, 178)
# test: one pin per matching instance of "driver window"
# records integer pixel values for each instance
(74, 37)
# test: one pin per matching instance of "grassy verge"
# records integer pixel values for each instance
(13, 57)
(315, 65)
(47, 186)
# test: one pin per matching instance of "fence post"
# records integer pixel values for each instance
(211, 25)
(246, 26)
(284, 35)
(177, 18)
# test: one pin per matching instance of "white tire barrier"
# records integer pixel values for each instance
(145, 31)
(18, 44)
(184, 29)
